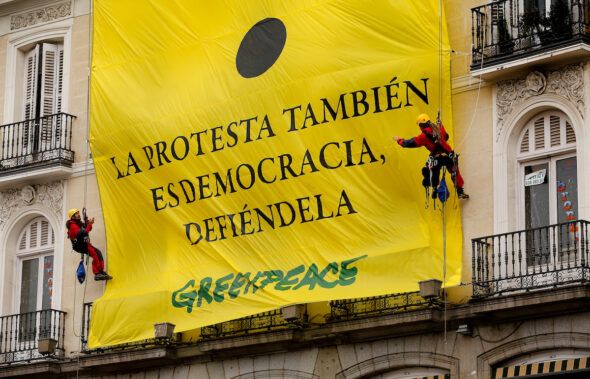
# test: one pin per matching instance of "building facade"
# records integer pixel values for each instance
(520, 73)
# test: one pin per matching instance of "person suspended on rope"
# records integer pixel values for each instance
(78, 234)
(434, 137)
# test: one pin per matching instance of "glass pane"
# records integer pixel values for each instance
(29, 282)
(537, 199)
(536, 216)
(534, 5)
(45, 327)
(28, 299)
(567, 203)
(47, 282)
(567, 190)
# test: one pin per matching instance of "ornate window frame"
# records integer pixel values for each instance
(17, 209)
(515, 103)
(542, 347)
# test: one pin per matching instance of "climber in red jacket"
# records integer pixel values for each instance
(434, 138)
(78, 234)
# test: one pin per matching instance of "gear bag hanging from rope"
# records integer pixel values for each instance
(443, 191)
(81, 272)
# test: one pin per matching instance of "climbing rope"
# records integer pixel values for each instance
(443, 205)
(86, 164)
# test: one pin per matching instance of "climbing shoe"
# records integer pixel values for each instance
(102, 276)
(462, 194)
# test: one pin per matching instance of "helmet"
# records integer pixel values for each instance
(72, 212)
(423, 119)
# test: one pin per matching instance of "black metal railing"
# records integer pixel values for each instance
(528, 259)
(20, 334)
(36, 142)
(378, 305)
(509, 29)
(86, 312)
(258, 323)
(137, 345)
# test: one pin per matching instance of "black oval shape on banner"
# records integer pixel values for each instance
(261, 47)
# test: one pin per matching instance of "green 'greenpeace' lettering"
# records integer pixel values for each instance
(332, 275)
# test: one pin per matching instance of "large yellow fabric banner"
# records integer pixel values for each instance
(245, 157)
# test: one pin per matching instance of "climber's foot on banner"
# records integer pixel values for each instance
(462, 195)
(102, 276)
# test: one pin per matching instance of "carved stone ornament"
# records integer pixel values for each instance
(38, 16)
(12, 201)
(535, 83)
(28, 194)
(567, 83)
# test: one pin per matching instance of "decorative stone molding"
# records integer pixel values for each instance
(38, 16)
(567, 83)
(14, 200)
(395, 361)
(538, 343)
(28, 195)
(277, 373)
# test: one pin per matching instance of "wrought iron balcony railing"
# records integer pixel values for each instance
(138, 345)
(86, 312)
(378, 305)
(262, 322)
(258, 323)
(37, 142)
(544, 257)
(509, 29)
(20, 335)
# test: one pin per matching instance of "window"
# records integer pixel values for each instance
(35, 273)
(35, 128)
(41, 95)
(541, 6)
(549, 195)
(43, 80)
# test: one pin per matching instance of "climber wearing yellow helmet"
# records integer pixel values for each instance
(78, 234)
(434, 137)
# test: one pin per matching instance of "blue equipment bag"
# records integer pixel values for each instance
(81, 272)
(443, 191)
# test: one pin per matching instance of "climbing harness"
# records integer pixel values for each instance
(436, 134)
(432, 181)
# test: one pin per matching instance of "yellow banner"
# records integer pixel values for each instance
(245, 156)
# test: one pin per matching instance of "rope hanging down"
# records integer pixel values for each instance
(444, 225)
(86, 163)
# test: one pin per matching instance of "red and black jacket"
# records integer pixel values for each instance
(427, 139)
(78, 234)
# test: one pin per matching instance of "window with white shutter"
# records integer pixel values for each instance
(546, 156)
(42, 95)
(35, 260)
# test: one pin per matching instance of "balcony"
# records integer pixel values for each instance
(283, 321)
(258, 323)
(378, 305)
(139, 345)
(508, 35)
(547, 257)
(36, 147)
(20, 335)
